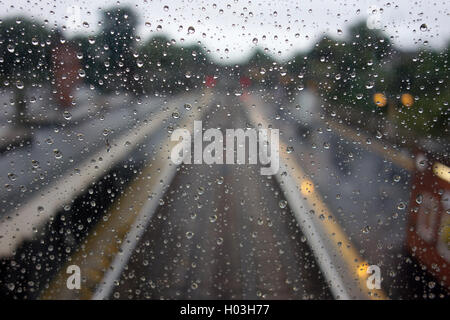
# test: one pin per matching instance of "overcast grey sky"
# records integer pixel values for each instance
(230, 29)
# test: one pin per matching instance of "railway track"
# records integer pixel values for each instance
(212, 231)
(203, 231)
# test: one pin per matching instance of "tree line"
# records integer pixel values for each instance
(346, 73)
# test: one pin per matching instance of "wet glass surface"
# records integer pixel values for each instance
(235, 150)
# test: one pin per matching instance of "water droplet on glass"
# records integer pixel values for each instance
(419, 199)
(19, 84)
(189, 234)
(57, 153)
(67, 115)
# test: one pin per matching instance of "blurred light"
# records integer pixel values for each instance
(407, 100)
(442, 171)
(307, 187)
(362, 270)
(379, 99)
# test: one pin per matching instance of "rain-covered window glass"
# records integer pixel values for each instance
(224, 150)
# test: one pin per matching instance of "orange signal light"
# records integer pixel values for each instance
(379, 99)
(407, 100)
